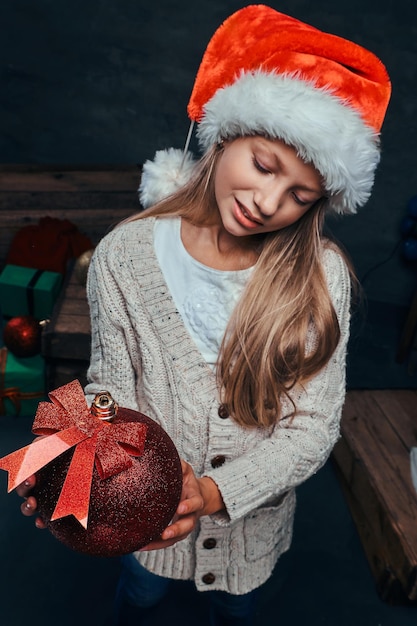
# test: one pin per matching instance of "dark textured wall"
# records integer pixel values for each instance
(107, 81)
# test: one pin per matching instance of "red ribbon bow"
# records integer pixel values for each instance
(67, 422)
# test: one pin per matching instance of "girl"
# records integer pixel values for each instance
(222, 312)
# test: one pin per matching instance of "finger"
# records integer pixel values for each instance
(160, 544)
(24, 488)
(180, 528)
(29, 506)
(39, 523)
(190, 505)
(157, 545)
(173, 533)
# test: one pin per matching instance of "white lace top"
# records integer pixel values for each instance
(205, 297)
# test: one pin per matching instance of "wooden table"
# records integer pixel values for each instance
(373, 461)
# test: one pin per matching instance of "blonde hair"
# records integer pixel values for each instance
(268, 347)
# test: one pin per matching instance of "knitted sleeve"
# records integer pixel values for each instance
(296, 448)
(115, 363)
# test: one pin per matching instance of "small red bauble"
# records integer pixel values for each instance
(127, 510)
(22, 336)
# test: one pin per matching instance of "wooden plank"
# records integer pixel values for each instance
(61, 372)
(33, 205)
(74, 304)
(372, 460)
(386, 460)
(94, 198)
(94, 223)
(400, 409)
(68, 335)
(74, 324)
(86, 179)
(75, 291)
(377, 538)
(89, 216)
(67, 167)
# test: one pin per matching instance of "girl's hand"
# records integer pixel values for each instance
(200, 496)
(29, 506)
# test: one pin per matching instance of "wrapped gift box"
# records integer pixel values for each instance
(22, 383)
(28, 291)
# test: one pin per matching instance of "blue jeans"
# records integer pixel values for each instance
(139, 592)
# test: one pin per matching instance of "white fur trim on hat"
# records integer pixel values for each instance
(170, 170)
(323, 129)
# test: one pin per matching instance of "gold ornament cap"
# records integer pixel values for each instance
(103, 406)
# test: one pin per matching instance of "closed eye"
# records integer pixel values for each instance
(259, 166)
(301, 202)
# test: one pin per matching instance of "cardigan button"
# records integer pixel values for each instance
(223, 412)
(209, 578)
(209, 543)
(218, 460)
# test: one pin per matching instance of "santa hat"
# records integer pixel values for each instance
(266, 73)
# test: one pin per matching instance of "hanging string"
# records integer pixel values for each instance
(187, 143)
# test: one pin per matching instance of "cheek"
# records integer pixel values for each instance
(229, 170)
(221, 181)
(290, 216)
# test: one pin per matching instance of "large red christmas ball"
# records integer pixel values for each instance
(127, 510)
(22, 336)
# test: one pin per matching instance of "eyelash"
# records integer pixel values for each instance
(264, 170)
(298, 201)
(260, 167)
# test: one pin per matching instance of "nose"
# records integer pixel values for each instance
(269, 198)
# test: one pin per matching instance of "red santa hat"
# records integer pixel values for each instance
(266, 73)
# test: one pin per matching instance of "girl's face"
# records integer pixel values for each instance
(261, 185)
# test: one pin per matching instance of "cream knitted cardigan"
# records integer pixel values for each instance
(143, 354)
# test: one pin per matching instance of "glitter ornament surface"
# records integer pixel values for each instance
(22, 336)
(103, 487)
(127, 510)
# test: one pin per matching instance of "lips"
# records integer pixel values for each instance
(245, 217)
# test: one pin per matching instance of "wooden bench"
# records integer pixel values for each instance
(379, 427)
(66, 339)
(92, 197)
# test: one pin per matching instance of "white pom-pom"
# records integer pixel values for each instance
(163, 176)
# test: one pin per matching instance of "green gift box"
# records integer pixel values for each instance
(28, 291)
(22, 383)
